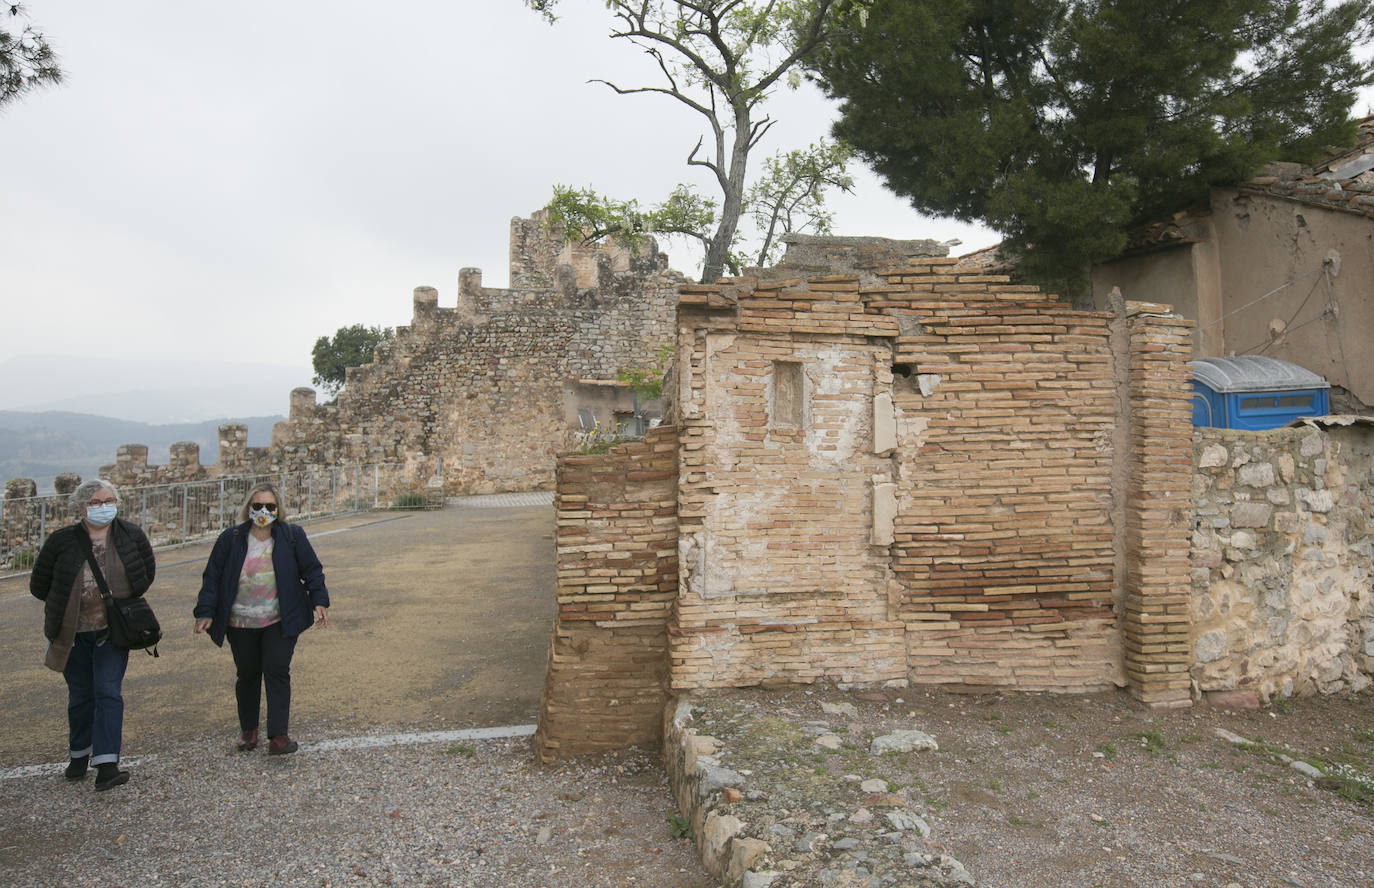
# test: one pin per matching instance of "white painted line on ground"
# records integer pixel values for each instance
(371, 741)
(58, 767)
(376, 740)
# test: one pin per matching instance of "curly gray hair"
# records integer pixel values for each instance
(83, 493)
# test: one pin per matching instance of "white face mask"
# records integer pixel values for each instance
(261, 517)
(101, 515)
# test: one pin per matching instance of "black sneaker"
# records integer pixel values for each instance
(76, 769)
(108, 776)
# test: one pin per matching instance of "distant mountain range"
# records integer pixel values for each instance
(40, 445)
(147, 389)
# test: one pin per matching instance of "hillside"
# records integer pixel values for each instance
(40, 445)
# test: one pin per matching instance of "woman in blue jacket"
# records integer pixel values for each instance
(263, 586)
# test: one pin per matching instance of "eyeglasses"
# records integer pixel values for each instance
(105, 502)
(268, 507)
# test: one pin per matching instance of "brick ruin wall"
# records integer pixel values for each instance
(617, 581)
(911, 477)
(927, 476)
(483, 395)
(1283, 561)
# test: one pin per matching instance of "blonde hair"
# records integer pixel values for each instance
(263, 487)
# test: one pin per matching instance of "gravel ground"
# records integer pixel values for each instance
(1047, 791)
(474, 813)
(1028, 791)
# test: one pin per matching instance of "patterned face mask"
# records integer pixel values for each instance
(261, 516)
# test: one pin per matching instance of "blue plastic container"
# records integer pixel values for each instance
(1254, 392)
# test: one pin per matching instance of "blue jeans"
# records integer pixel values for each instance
(95, 706)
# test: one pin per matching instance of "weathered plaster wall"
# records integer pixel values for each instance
(1264, 243)
(1186, 276)
(1283, 564)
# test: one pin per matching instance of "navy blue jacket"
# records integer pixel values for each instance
(300, 579)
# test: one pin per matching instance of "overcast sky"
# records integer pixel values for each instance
(218, 183)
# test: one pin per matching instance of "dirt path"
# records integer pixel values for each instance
(439, 620)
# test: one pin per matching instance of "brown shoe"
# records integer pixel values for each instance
(248, 741)
(282, 745)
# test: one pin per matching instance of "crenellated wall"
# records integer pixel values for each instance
(483, 395)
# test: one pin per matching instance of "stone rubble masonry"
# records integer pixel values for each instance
(480, 394)
(991, 473)
(617, 580)
(1282, 561)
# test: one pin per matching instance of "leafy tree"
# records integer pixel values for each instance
(789, 196)
(349, 347)
(1062, 123)
(27, 61)
(721, 59)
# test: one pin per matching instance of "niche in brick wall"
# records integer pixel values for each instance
(904, 378)
(789, 394)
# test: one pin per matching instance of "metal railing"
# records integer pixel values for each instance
(172, 514)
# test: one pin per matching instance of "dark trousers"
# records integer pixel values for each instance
(95, 705)
(262, 656)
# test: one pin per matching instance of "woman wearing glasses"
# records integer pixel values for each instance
(263, 586)
(74, 622)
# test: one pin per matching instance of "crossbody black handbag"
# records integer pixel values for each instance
(133, 625)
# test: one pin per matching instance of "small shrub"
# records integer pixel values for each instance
(462, 749)
(22, 559)
(679, 826)
(410, 501)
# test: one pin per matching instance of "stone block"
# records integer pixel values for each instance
(1257, 475)
(745, 854)
(1212, 455)
(1233, 699)
(884, 513)
(1210, 646)
(884, 424)
(1251, 514)
(716, 836)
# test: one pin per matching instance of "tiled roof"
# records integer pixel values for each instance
(1344, 181)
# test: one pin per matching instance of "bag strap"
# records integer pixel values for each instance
(95, 566)
(100, 577)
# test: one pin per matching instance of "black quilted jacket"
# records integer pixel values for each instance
(61, 559)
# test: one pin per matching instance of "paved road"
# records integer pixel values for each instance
(440, 620)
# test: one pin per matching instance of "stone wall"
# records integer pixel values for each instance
(476, 393)
(933, 475)
(483, 395)
(617, 580)
(1282, 560)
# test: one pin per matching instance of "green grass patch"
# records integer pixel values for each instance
(1152, 741)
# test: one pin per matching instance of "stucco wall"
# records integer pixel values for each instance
(1267, 243)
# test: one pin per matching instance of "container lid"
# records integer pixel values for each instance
(1254, 373)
